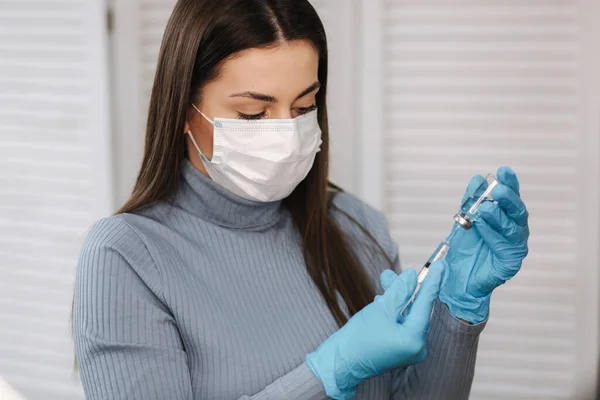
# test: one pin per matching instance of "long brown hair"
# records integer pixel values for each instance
(199, 37)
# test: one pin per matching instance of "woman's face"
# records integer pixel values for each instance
(274, 83)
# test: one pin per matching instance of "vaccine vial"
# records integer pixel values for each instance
(469, 209)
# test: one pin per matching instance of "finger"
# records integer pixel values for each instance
(419, 314)
(406, 281)
(475, 183)
(509, 256)
(399, 292)
(511, 203)
(507, 177)
(386, 278)
(499, 221)
(491, 237)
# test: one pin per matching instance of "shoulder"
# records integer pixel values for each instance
(114, 233)
(356, 216)
(131, 233)
(113, 246)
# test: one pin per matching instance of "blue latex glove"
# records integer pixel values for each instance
(373, 341)
(490, 253)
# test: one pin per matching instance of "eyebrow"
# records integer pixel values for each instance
(271, 99)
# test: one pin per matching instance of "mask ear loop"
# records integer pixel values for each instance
(204, 159)
(194, 142)
(201, 113)
(189, 132)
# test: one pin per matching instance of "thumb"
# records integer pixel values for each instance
(399, 292)
(474, 184)
(386, 278)
(420, 312)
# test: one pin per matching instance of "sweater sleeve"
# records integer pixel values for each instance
(299, 384)
(127, 343)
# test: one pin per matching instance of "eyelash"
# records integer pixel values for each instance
(302, 110)
(251, 116)
(306, 110)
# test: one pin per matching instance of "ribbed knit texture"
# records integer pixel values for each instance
(207, 297)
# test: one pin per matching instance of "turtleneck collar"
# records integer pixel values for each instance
(203, 197)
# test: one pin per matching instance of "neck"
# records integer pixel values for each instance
(201, 196)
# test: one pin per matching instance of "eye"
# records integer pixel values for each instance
(251, 116)
(306, 110)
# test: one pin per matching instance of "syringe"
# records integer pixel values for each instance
(439, 254)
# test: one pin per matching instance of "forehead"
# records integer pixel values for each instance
(289, 67)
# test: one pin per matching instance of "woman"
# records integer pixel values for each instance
(235, 270)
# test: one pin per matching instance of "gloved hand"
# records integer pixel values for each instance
(373, 341)
(490, 253)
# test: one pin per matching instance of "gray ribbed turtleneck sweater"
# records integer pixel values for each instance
(207, 297)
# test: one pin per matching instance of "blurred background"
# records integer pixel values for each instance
(424, 94)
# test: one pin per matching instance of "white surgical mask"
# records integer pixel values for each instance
(262, 159)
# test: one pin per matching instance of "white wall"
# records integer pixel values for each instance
(54, 181)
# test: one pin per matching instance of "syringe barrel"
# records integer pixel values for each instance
(439, 254)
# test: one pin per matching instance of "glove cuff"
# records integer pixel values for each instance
(322, 363)
(468, 308)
